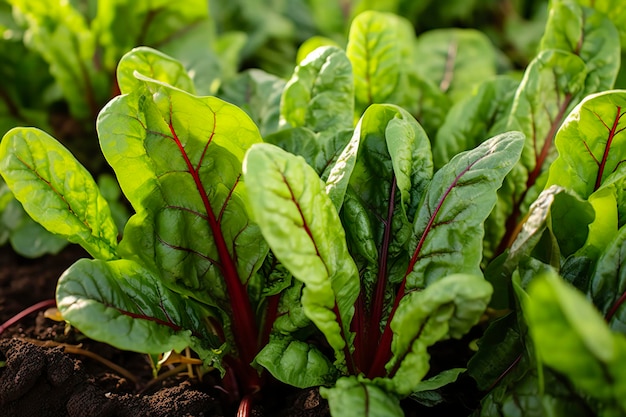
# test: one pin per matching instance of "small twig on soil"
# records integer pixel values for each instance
(32, 309)
(77, 350)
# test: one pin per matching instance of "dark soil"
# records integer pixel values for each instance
(44, 377)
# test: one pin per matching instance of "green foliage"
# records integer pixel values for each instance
(337, 210)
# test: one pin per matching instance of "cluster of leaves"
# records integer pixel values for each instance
(333, 228)
(60, 59)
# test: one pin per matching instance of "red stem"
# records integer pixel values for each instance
(615, 307)
(245, 330)
(32, 309)
(607, 148)
(373, 328)
(383, 354)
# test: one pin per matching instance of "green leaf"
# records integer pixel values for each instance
(153, 64)
(474, 118)
(615, 10)
(571, 337)
(359, 397)
(165, 146)
(388, 156)
(455, 60)
(296, 363)
(589, 34)
(447, 308)
(320, 93)
(375, 47)
(448, 227)
(591, 143)
(608, 282)
(57, 191)
(125, 305)
(294, 212)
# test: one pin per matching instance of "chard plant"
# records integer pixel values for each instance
(334, 227)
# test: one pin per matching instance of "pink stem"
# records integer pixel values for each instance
(32, 309)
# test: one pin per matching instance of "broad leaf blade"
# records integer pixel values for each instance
(591, 143)
(57, 191)
(448, 228)
(303, 230)
(178, 160)
(125, 305)
(296, 363)
(589, 34)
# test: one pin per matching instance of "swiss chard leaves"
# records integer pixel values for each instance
(56, 191)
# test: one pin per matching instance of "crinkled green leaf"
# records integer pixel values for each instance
(456, 60)
(125, 305)
(359, 397)
(296, 363)
(57, 191)
(591, 143)
(448, 308)
(303, 229)
(320, 93)
(500, 346)
(153, 64)
(571, 337)
(448, 227)
(474, 118)
(589, 34)
(375, 50)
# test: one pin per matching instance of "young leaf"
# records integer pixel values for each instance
(154, 64)
(303, 229)
(123, 304)
(358, 397)
(320, 93)
(375, 48)
(296, 363)
(446, 308)
(448, 227)
(57, 191)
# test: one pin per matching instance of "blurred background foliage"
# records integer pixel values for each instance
(59, 59)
